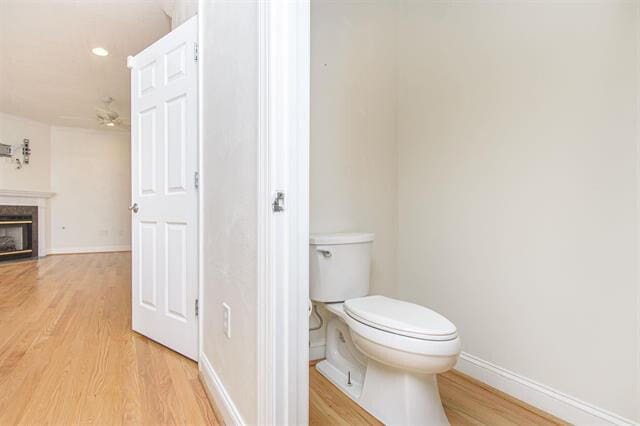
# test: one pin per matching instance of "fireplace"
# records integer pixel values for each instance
(18, 232)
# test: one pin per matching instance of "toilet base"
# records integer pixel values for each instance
(394, 396)
(340, 380)
(343, 366)
(398, 397)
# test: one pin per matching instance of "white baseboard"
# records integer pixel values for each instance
(316, 350)
(216, 391)
(95, 249)
(538, 395)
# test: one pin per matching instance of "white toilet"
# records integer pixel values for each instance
(383, 353)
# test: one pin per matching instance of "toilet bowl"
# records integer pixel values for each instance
(382, 352)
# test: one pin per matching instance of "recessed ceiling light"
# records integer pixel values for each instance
(100, 51)
(110, 124)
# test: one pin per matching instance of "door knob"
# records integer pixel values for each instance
(134, 207)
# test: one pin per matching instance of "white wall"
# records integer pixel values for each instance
(91, 176)
(496, 151)
(353, 182)
(90, 173)
(36, 175)
(518, 218)
(228, 48)
(178, 10)
(353, 150)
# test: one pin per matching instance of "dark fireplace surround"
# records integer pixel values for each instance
(26, 219)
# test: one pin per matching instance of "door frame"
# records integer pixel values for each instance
(284, 55)
(282, 380)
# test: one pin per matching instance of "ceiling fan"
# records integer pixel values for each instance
(107, 116)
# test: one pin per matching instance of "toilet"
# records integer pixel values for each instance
(383, 353)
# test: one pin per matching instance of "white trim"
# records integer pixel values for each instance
(536, 394)
(266, 317)
(283, 330)
(638, 210)
(94, 249)
(300, 173)
(25, 194)
(216, 391)
(283, 144)
(201, 190)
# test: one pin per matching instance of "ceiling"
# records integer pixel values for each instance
(47, 70)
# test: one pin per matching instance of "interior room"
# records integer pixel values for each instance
(487, 147)
(289, 212)
(68, 352)
(65, 120)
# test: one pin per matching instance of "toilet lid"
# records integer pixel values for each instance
(402, 318)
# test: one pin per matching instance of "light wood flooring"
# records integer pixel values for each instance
(466, 402)
(68, 356)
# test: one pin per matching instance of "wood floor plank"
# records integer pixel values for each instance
(68, 355)
(466, 402)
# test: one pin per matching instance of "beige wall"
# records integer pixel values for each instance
(88, 170)
(518, 218)
(353, 150)
(353, 164)
(36, 175)
(178, 10)
(491, 147)
(91, 176)
(229, 228)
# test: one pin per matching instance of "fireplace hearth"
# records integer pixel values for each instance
(18, 232)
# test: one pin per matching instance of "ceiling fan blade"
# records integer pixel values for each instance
(107, 114)
(69, 117)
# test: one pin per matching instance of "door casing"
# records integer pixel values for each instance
(283, 237)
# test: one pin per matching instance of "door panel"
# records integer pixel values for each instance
(147, 151)
(164, 161)
(177, 270)
(148, 265)
(176, 144)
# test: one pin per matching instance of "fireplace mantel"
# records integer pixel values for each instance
(25, 194)
(31, 198)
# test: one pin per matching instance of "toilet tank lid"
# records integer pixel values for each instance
(341, 238)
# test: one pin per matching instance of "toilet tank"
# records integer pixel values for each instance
(339, 266)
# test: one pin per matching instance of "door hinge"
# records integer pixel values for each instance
(195, 51)
(196, 180)
(197, 308)
(278, 202)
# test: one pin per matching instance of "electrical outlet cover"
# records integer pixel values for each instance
(226, 320)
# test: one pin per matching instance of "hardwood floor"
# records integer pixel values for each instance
(68, 355)
(466, 402)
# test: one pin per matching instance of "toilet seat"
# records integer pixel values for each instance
(400, 318)
(440, 348)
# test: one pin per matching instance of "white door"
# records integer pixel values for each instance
(164, 156)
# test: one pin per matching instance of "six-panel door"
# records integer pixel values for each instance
(164, 161)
